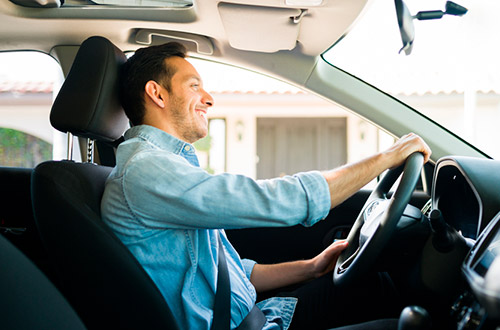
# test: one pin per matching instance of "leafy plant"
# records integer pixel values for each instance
(20, 149)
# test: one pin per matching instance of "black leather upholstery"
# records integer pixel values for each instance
(99, 276)
(28, 300)
(88, 104)
(16, 213)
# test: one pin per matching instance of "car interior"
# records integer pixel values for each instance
(437, 234)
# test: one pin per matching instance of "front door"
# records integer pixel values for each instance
(290, 145)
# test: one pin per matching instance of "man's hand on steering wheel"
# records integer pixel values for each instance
(344, 181)
(407, 145)
(324, 262)
(380, 215)
(377, 221)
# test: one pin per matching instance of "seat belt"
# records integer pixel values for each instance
(222, 306)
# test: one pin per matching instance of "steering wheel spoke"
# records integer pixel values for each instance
(343, 267)
(377, 222)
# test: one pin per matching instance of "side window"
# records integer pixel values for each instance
(28, 83)
(265, 128)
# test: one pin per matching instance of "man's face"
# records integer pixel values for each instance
(188, 102)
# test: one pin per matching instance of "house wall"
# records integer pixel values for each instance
(242, 110)
(472, 117)
(30, 113)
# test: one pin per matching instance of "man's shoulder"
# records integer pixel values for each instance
(138, 158)
(137, 151)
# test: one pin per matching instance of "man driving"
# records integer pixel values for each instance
(171, 214)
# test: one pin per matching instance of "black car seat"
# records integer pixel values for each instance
(16, 216)
(28, 300)
(101, 279)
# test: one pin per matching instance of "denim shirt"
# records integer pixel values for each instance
(168, 212)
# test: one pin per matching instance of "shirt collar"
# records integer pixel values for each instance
(163, 140)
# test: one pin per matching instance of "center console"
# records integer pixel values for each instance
(479, 307)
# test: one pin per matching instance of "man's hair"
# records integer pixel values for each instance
(145, 65)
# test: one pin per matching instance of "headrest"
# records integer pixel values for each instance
(88, 103)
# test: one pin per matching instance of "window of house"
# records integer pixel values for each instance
(211, 150)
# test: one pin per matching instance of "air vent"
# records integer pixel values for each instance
(426, 209)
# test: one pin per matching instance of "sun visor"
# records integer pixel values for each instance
(259, 28)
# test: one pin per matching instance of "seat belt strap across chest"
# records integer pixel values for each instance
(222, 306)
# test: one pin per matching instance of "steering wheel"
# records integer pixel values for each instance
(377, 222)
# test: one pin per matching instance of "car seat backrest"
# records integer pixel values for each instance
(99, 276)
(28, 300)
(16, 217)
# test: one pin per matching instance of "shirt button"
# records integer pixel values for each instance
(187, 148)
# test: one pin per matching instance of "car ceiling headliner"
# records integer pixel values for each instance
(43, 28)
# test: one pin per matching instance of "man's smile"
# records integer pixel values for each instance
(202, 113)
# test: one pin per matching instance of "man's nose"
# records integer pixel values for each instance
(207, 99)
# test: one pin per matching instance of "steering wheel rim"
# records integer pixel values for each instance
(358, 257)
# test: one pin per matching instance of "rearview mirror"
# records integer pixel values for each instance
(405, 22)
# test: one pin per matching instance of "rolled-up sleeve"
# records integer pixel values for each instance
(318, 196)
(248, 265)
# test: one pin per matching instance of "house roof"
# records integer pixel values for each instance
(24, 87)
(221, 85)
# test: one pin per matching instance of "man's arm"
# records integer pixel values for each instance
(344, 181)
(269, 277)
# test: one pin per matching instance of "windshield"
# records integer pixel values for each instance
(452, 74)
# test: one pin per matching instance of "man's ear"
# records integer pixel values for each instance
(154, 92)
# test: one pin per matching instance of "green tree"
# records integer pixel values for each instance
(22, 150)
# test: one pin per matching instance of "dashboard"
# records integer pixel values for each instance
(466, 191)
(482, 269)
